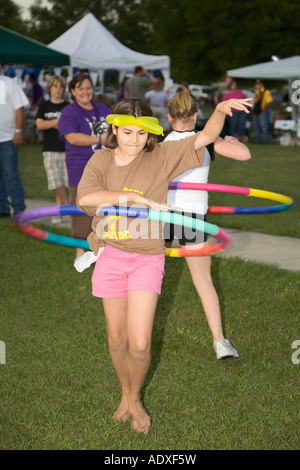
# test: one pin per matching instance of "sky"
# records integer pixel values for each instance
(25, 4)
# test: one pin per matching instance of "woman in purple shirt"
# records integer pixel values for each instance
(77, 128)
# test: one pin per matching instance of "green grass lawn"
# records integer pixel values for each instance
(273, 168)
(58, 387)
(33, 173)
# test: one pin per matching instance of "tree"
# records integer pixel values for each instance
(203, 38)
(125, 20)
(10, 17)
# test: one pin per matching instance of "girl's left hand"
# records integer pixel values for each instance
(241, 105)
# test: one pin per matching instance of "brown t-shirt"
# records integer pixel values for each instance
(149, 174)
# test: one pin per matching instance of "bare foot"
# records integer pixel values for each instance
(122, 413)
(141, 421)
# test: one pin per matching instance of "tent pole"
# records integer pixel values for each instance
(101, 80)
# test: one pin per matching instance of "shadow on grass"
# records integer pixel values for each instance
(173, 273)
(215, 275)
(175, 270)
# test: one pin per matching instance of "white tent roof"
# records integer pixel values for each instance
(279, 70)
(90, 45)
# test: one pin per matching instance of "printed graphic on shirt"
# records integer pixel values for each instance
(132, 190)
(115, 227)
(52, 115)
(111, 231)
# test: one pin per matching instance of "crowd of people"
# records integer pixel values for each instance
(96, 154)
(261, 115)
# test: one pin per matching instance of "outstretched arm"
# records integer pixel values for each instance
(215, 123)
(150, 76)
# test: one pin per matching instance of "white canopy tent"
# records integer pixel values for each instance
(282, 69)
(90, 45)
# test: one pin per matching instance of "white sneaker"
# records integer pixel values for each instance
(56, 219)
(224, 350)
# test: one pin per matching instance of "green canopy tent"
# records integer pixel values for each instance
(18, 49)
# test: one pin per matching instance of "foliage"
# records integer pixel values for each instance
(10, 16)
(203, 38)
(124, 20)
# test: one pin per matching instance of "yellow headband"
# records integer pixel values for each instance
(147, 123)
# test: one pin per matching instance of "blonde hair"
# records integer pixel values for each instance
(53, 79)
(182, 106)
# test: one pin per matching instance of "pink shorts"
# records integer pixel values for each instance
(117, 272)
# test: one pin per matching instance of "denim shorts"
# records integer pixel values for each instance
(185, 235)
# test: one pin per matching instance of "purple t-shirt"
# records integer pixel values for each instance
(74, 118)
(37, 92)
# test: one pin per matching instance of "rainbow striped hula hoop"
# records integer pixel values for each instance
(286, 202)
(22, 220)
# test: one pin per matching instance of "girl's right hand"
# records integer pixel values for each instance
(240, 104)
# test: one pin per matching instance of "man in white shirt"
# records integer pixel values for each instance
(12, 102)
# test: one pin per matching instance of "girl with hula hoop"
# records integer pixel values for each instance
(135, 169)
(182, 117)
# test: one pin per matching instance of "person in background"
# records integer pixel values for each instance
(43, 84)
(222, 90)
(27, 86)
(81, 127)
(37, 95)
(67, 78)
(12, 103)
(136, 86)
(237, 122)
(158, 100)
(121, 94)
(53, 148)
(103, 98)
(175, 88)
(261, 113)
(218, 97)
(182, 116)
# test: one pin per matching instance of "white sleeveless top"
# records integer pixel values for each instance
(189, 200)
